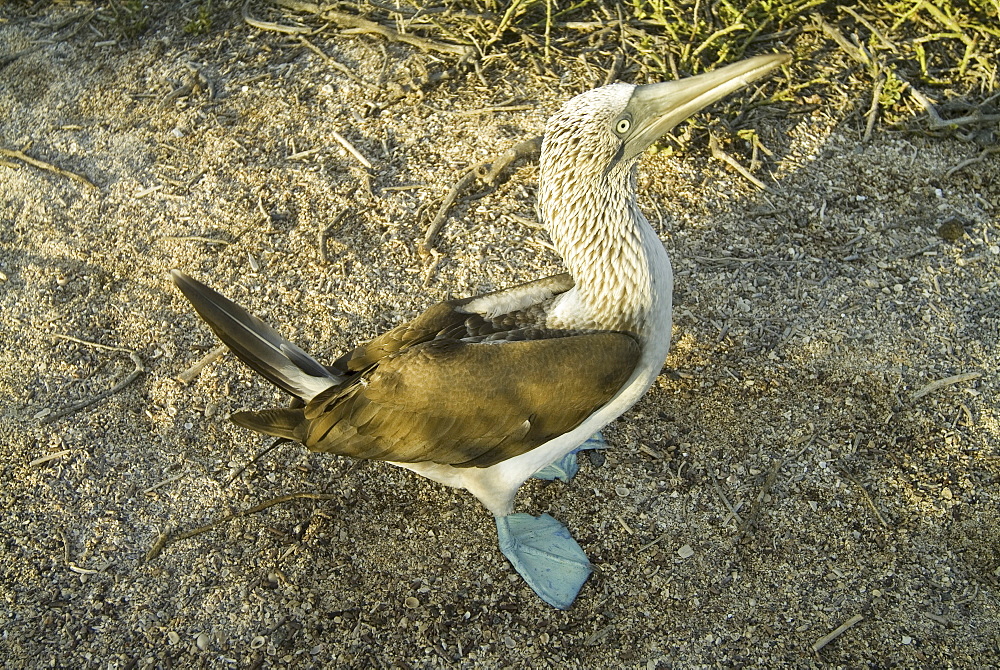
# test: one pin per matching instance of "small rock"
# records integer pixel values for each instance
(686, 551)
(907, 639)
(173, 637)
(951, 230)
(202, 641)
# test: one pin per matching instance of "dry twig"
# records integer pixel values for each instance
(935, 121)
(188, 375)
(755, 508)
(866, 495)
(21, 156)
(836, 632)
(947, 381)
(873, 110)
(732, 511)
(718, 153)
(81, 19)
(240, 470)
(988, 151)
(438, 223)
(526, 149)
(353, 25)
(324, 233)
(166, 538)
(273, 27)
(857, 52)
(487, 171)
(337, 65)
(131, 377)
(351, 149)
(41, 460)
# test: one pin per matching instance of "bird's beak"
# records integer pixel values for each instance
(656, 108)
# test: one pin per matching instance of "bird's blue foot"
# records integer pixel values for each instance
(545, 555)
(566, 467)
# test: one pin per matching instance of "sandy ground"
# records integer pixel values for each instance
(812, 323)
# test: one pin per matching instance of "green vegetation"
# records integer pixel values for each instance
(946, 45)
(129, 18)
(889, 58)
(201, 23)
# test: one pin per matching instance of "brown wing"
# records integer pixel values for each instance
(472, 404)
(460, 403)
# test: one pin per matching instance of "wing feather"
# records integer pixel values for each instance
(474, 404)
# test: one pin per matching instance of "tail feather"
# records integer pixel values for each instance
(256, 343)
(286, 423)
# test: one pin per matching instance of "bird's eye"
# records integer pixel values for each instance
(623, 126)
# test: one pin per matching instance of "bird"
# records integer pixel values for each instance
(482, 393)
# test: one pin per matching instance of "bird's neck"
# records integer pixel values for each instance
(620, 268)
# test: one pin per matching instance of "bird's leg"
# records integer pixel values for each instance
(545, 555)
(566, 467)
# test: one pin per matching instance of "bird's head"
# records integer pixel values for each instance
(604, 130)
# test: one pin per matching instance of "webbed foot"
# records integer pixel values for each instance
(545, 555)
(566, 467)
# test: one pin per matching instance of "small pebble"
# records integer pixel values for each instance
(951, 230)
(622, 491)
(173, 637)
(907, 639)
(202, 641)
(686, 551)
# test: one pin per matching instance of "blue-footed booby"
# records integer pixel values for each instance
(482, 393)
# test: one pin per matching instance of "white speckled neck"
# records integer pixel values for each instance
(621, 270)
